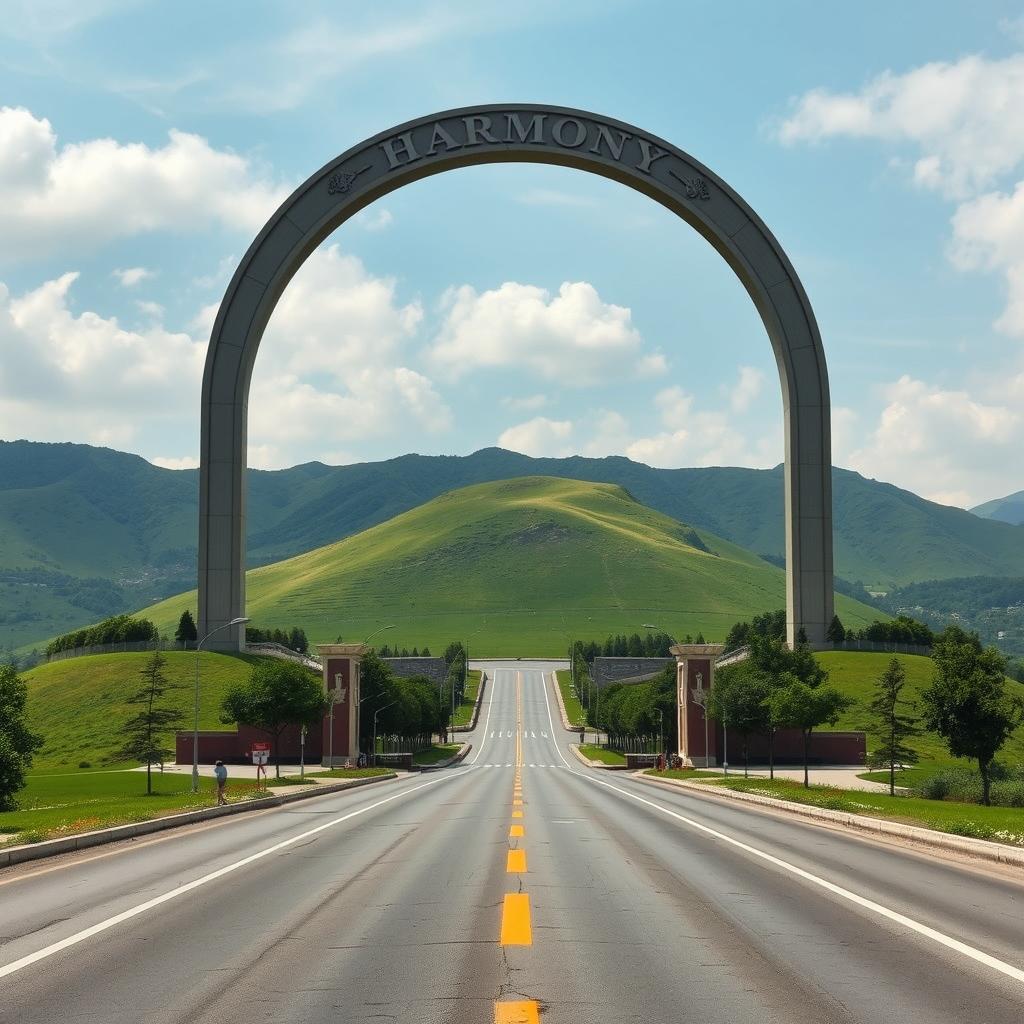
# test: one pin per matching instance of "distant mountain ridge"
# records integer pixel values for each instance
(515, 566)
(94, 512)
(1009, 509)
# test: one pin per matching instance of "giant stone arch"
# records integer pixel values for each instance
(523, 134)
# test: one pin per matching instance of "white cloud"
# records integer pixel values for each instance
(554, 197)
(151, 309)
(943, 444)
(82, 195)
(988, 234)
(540, 437)
(334, 317)
(132, 276)
(375, 219)
(525, 403)
(695, 437)
(962, 116)
(747, 389)
(176, 462)
(610, 434)
(572, 337)
(330, 369)
(85, 377)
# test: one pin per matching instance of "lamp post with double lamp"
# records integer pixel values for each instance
(195, 730)
(375, 714)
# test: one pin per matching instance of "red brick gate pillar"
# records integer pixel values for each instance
(341, 684)
(695, 670)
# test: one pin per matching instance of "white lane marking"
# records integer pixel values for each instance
(533, 735)
(509, 765)
(544, 734)
(487, 720)
(492, 734)
(126, 915)
(971, 952)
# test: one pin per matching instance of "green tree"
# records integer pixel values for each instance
(739, 700)
(17, 743)
(889, 725)
(967, 703)
(835, 634)
(186, 632)
(144, 733)
(799, 706)
(277, 694)
(297, 640)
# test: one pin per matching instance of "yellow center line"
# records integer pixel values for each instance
(516, 929)
(523, 1012)
(516, 832)
(515, 863)
(517, 802)
(517, 814)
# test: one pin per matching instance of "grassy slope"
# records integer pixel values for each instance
(55, 805)
(77, 705)
(93, 512)
(855, 672)
(516, 567)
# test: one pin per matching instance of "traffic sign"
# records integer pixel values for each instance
(260, 753)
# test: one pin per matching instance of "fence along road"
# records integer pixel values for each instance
(627, 903)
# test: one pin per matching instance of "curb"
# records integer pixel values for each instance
(454, 759)
(476, 707)
(561, 707)
(596, 764)
(981, 848)
(84, 840)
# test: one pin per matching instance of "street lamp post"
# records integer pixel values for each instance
(661, 731)
(375, 714)
(195, 729)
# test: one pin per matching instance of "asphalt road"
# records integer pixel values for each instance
(406, 902)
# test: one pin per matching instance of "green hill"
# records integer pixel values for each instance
(1007, 510)
(515, 568)
(87, 532)
(855, 673)
(78, 705)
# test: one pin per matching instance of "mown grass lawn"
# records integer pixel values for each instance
(79, 705)
(63, 804)
(334, 773)
(1001, 824)
(573, 708)
(464, 711)
(436, 752)
(855, 673)
(595, 753)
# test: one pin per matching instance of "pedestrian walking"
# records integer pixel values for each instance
(221, 773)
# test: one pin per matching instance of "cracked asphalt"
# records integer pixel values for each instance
(393, 910)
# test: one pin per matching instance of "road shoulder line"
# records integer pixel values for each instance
(980, 848)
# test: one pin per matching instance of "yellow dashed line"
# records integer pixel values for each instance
(523, 1012)
(516, 832)
(517, 814)
(515, 864)
(515, 920)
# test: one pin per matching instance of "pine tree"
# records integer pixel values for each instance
(143, 740)
(836, 633)
(186, 632)
(889, 727)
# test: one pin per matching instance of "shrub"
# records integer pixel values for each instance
(116, 630)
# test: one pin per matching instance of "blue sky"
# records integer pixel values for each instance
(142, 145)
